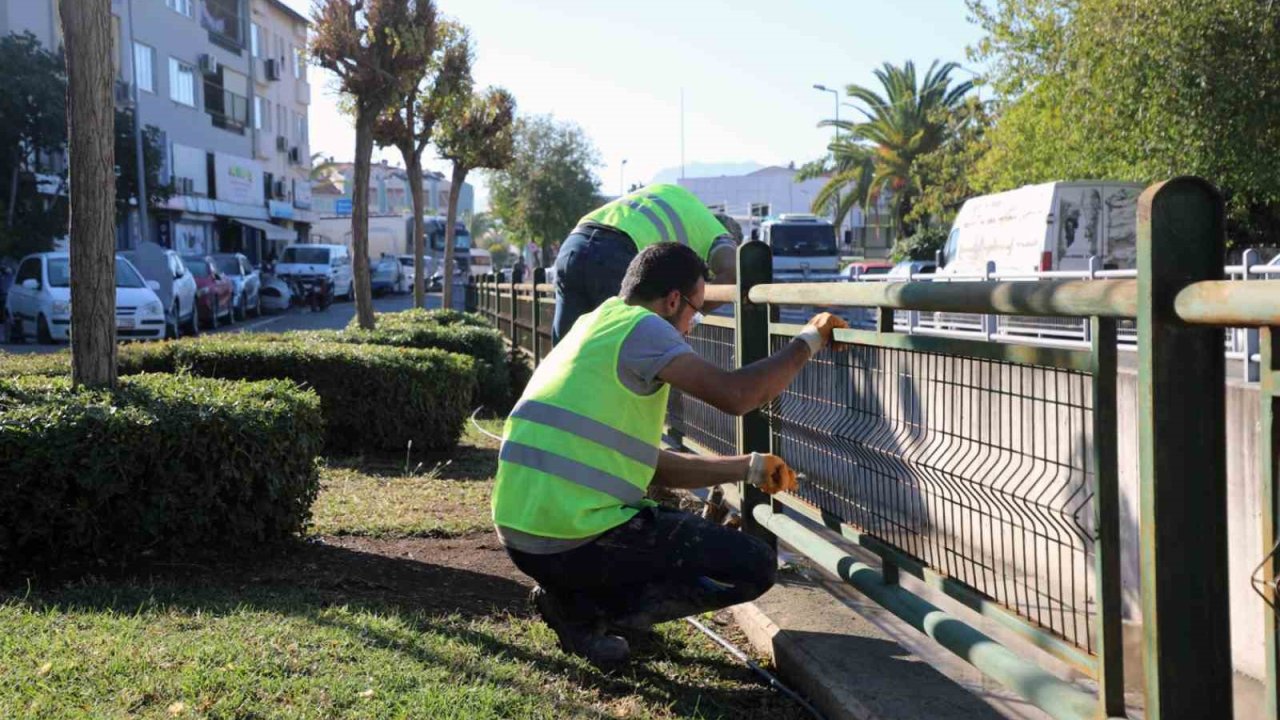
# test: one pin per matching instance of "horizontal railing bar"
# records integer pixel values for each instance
(1064, 358)
(1057, 697)
(956, 590)
(1239, 303)
(721, 293)
(718, 321)
(1067, 298)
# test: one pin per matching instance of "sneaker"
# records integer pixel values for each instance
(584, 639)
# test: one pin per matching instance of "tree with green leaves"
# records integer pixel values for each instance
(876, 155)
(379, 50)
(945, 175)
(549, 184)
(408, 124)
(127, 171)
(1138, 90)
(33, 127)
(476, 133)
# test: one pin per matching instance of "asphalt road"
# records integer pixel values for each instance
(335, 317)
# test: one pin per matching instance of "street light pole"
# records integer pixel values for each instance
(836, 93)
(622, 186)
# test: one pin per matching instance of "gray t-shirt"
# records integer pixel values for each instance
(652, 344)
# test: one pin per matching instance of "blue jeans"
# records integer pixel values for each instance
(589, 270)
(661, 565)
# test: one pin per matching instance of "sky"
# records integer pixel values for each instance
(745, 68)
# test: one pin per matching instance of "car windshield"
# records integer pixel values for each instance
(461, 240)
(406, 261)
(875, 271)
(197, 266)
(802, 240)
(60, 274)
(228, 264)
(306, 256)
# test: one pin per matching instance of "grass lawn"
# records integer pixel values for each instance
(400, 605)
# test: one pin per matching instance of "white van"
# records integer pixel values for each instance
(318, 259)
(1052, 226)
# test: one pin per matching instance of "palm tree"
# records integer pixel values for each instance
(876, 155)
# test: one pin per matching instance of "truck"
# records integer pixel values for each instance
(1046, 227)
(804, 247)
(393, 235)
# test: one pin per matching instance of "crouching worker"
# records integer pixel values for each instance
(583, 444)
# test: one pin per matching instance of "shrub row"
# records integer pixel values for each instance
(166, 465)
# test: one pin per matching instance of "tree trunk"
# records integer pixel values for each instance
(91, 150)
(413, 165)
(451, 219)
(360, 220)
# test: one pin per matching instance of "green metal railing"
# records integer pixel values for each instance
(989, 470)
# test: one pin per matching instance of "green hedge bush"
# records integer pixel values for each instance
(166, 465)
(374, 397)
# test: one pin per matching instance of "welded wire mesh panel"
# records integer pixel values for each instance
(524, 321)
(980, 469)
(711, 428)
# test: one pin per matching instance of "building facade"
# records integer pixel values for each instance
(188, 68)
(388, 192)
(774, 191)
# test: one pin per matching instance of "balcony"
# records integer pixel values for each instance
(223, 21)
(229, 110)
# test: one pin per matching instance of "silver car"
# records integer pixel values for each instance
(246, 298)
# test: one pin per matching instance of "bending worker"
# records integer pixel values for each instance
(582, 445)
(593, 259)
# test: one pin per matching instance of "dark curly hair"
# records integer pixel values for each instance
(661, 268)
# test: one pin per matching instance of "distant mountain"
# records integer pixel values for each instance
(706, 169)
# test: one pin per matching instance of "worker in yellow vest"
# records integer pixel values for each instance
(583, 444)
(593, 259)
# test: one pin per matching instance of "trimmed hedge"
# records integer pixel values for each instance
(373, 397)
(166, 465)
(419, 316)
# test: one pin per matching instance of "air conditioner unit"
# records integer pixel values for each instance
(271, 68)
(282, 143)
(123, 93)
(208, 64)
(295, 154)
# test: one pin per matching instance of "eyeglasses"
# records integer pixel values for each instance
(696, 309)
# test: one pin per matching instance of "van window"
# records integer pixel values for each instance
(28, 270)
(306, 256)
(949, 249)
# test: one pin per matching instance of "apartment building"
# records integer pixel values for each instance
(188, 68)
(388, 192)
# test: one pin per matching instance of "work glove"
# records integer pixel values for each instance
(770, 473)
(817, 334)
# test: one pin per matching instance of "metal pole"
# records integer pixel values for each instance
(539, 277)
(1251, 347)
(1182, 459)
(1109, 646)
(751, 335)
(139, 156)
(622, 185)
(1269, 469)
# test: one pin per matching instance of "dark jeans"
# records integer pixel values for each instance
(589, 270)
(661, 565)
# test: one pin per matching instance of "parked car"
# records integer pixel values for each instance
(181, 297)
(276, 294)
(317, 259)
(215, 291)
(388, 275)
(859, 270)
(905, 269)
(247, 295)
(406, 262)
(39, 303)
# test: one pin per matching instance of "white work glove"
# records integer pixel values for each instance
(817, 334)
(770, 473)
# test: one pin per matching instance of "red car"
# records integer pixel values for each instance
(213, 289)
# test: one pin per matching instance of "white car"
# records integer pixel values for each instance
(406, 261)
(39, 302)
(333, 261)
(166, 266)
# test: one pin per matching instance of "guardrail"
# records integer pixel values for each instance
(988, 470)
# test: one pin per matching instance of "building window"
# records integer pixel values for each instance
(299, 63)
(283, 123)
(144, 63)
(117, 49)
(182, 82)
(255, 40)
(257, 112)
(222, 19)
(300, 133)
(180, 6)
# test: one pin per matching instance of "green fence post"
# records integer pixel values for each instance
(751, 335)
(539, 277)
(511, 314)
(1109, 644)
(1182, 458)
(884, 324)
(1269, 467)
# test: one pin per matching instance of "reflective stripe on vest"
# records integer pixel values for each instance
(572, 471)
(652, 216)
(587, 429)
(682, 237)
(661, 213)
